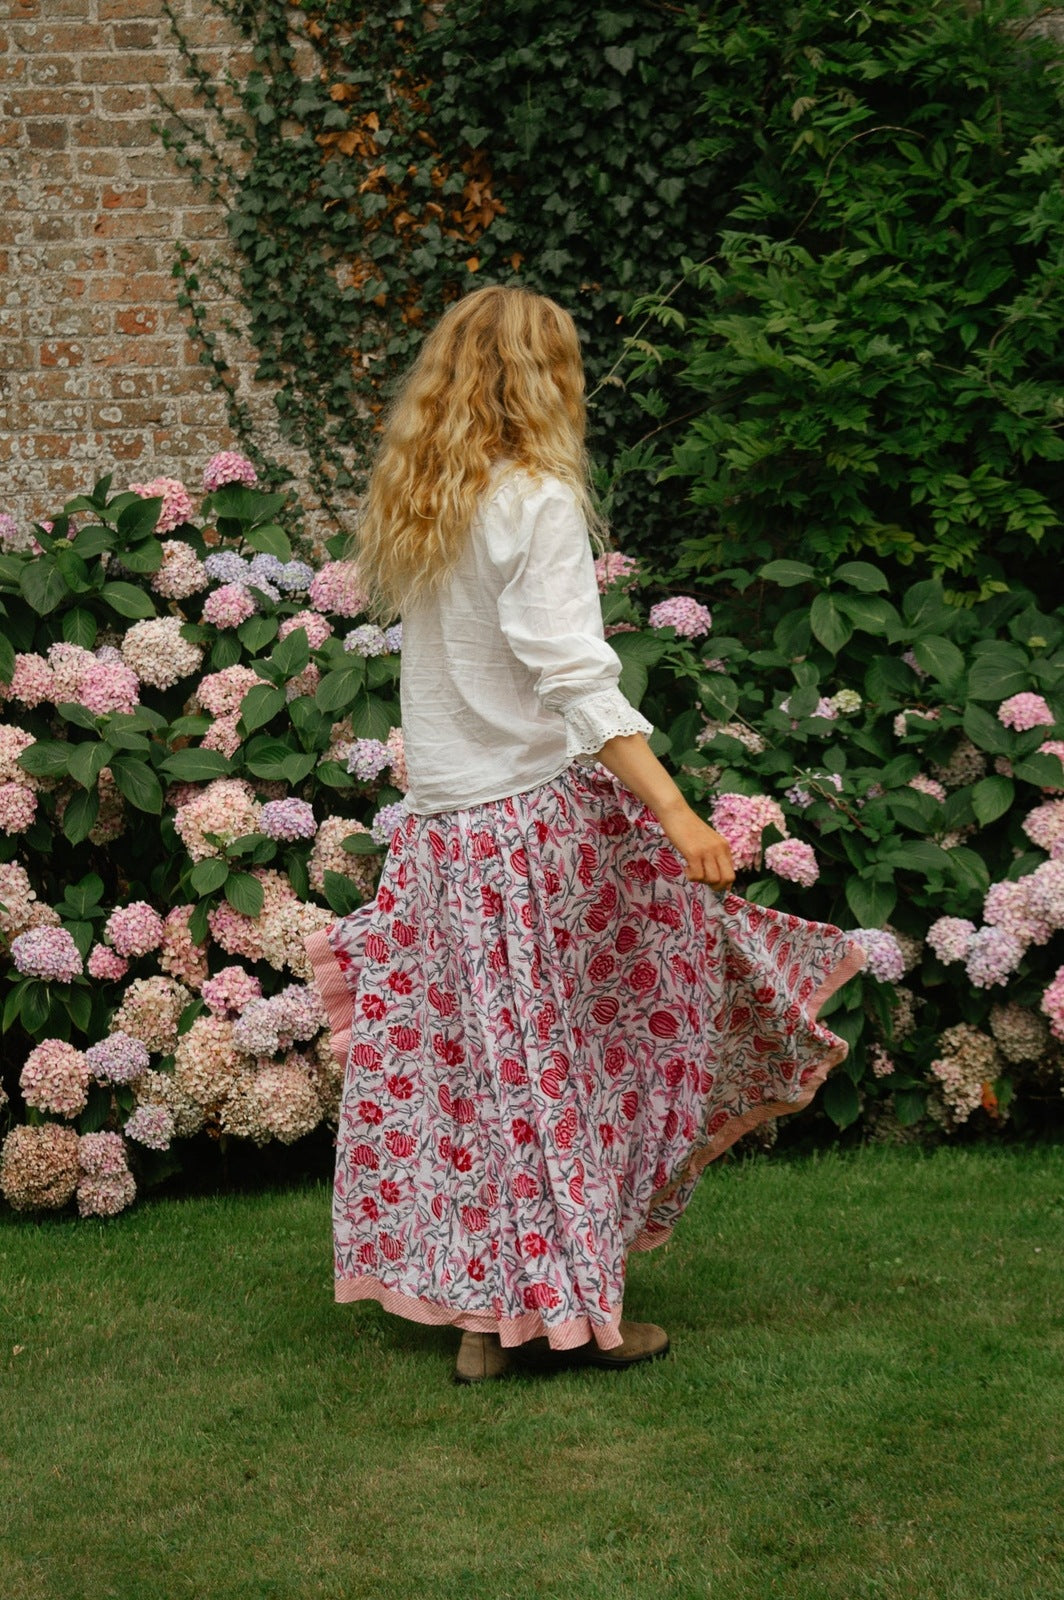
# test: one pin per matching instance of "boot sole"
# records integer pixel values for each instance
(603, 1358)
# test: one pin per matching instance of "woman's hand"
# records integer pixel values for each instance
(707, 853)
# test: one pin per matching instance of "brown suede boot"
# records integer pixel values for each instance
(642, 1341)
(480, 1356)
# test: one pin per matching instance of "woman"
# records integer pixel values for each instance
(551, 1016)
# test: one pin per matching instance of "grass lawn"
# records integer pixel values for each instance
(865, 1399)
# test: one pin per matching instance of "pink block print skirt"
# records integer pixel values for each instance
(548, 1032)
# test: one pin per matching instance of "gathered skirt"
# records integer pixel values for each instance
(548, 1032)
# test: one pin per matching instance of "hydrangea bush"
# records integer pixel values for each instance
(200, 759)
(201, 762)
(895, 768)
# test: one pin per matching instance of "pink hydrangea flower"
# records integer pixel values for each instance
(614, 570)
(1007, 905)
(134, 930)
(151, 1124)
(48, 953)
(106, 964)
(228, 606)
(1044, 826)
(223, 735)
(55, 1078)
(1045, 894)
(685, 615)
(109, 686)
(367, 758)
(993, 955)
(230, 990)
(742, 818)
(338, 588)
(226, 808)
(228, 466)
(288, 819)
(317, 629)
(176, 507)
(1023, 711)
(886, 960)
(397, 758)
(181, 573)
(950, 938)
(158, 653)
(120, 1058)
(794, 860)
(925, 785)
(1053, 1004)
(222, 693)
(32, 682)
(18, 807)
(180, 955)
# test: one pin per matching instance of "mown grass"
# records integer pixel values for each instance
(864, 1400)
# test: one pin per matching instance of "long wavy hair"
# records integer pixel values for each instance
(499, 379)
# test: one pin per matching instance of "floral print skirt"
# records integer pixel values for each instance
(548, 1032)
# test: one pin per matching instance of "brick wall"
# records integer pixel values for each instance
(95, 368)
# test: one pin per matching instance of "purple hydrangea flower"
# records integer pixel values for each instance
(288, 819)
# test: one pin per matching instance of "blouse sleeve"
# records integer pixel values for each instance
(551, 616)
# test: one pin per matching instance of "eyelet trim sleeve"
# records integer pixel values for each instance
(599, 717)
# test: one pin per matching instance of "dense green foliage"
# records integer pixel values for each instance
(877, 360)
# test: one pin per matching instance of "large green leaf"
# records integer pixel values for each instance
(260, 704)
(985, 731)
(788, 574)
(861, 575)
(244, 893)
(80, 814)
(138, 783)
(840, 1099)
(47, 758)
(43, 585)
(128, 601)
(137, 519)
(940, 657)
(998, 673)
(79, 627)
(870, 902)
(992, 797)
(337, 690)
(209, 875)
(197, 766)
(341, 893)
(271, 540)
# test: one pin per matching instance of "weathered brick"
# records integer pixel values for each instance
(49, 103)
(134, 196)
(137, 320)
(60, 353)
(129, 67)
(136, 35)
(124, 100)
(46, 135)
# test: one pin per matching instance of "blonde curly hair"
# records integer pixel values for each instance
(499, 380)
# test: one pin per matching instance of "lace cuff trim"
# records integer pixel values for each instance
(598, 717)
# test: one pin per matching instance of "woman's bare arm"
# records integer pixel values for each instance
(630, 758)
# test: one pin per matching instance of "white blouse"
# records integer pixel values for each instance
(506, 675)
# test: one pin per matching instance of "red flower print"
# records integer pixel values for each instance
(542, 832)
(444, 1146)
(565, 1132)
(626, 940)
(370, 1111)
(605, 1009)
(527, 915)
(400, 983)
(369, 1207)
(404, 933)
(522, 1131)
(405, 1038)
(540, 1297)
(474, 1218)
(534, 1244)
(672, 1123)
(476, 1270)
(365, 1055)
(436, 845)
(588, 865)
(441, 1000)
(524, 1187)
(615, 1060)
(519, 863)
(552, 1080)
(461, 1109)
(391, 1247)
(400, 1145)
(663, 1025)
(489, 1194)
(562, 937)
(576, 1184)
(399, 1086)
(673, 1071)
(642, 977)
(661, 1171)
(461, 1159)
(373, 1007)
(364, 1155)
(641, 871)
(484, 847)
(608, 1134)
(436, 1206)
(490, 902)
(385, 899)
(367, 1255)
(512, 1072)
(597, 919)
(448, 1050)
(545, 1021)
(376, 947)
(630, 1105)
(602, 967)
(391, 1193)
(551, 883)
(498, 960)
(614, 825)
(400, 876)
(668, 862)
(683, 969)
